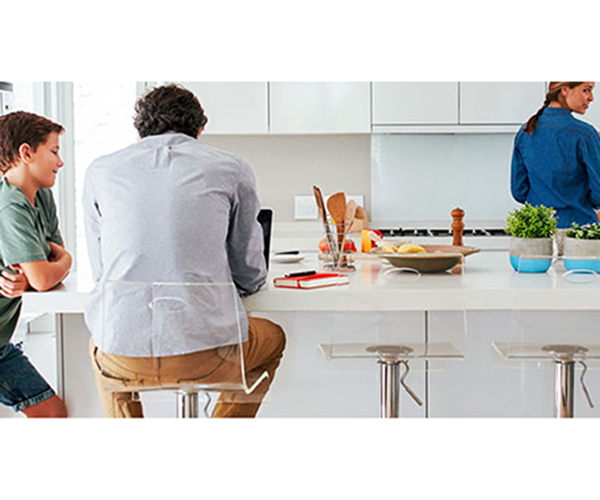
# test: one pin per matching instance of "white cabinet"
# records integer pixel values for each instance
(415, 103)
(320, 107)
(454, 107)
(484, 103)
(233, 107)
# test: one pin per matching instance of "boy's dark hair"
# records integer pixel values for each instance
(20, 128)
(169, 108)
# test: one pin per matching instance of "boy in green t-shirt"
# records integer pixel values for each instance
(32, 254)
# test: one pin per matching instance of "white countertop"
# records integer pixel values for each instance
(486, 283)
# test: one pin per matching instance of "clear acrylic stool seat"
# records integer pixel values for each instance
(564, 357)
(390, 357)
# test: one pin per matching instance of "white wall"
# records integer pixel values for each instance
(289, 165)
(423, 177)
(412, 177)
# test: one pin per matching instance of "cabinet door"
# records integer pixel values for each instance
(499, 102)
(233, 107)
(415, 103)
(320, 108)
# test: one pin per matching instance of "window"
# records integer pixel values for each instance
(103, 123)
(28, 96)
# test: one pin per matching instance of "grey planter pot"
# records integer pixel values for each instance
(582, 255)
(530, 255)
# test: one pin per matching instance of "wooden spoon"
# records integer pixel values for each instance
(361, 213)
(336, 204)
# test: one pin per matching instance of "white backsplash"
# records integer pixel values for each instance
(422, 177)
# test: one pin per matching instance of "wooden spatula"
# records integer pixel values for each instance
(336, 204)
(322, 213)
(360, 213)
(349, 216)
(348, 220)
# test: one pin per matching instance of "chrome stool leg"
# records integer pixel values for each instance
(564, 376)
(390, 359)
(389, 403)
(563, 388)
(187, 404)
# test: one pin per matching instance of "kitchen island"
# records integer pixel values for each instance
(486, 302)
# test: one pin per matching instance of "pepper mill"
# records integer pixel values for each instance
(457, 226)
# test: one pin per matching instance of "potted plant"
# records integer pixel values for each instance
(531, 229)
(582, 247)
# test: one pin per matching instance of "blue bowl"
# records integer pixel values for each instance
(582, 264)
(530, 265)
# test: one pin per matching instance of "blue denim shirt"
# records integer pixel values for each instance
(558, 166)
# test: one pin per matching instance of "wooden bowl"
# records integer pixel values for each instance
(424, 262)
(437, 259)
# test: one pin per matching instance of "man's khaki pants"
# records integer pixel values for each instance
(262, 352)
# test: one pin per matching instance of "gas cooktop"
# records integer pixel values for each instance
(441, 232)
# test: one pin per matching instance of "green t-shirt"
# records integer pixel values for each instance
(25, 231)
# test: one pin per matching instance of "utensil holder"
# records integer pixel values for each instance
(338, 259)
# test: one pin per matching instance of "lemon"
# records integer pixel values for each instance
(410, 248)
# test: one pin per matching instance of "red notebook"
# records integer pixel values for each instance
(318, 280)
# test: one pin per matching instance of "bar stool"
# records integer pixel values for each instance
(164, 308)
(564, 357)
(187, 395)
(390, 358)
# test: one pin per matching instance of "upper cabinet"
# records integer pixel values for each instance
(284, 108)
(233, 107)
(422, 103)
(363, 107)
(504, 103)
(320, 108)
(454, 107)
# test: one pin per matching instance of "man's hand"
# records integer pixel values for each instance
(13, 285)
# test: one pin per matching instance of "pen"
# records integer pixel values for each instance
(303, 273)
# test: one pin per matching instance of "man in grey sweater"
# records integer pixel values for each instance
(170, 209)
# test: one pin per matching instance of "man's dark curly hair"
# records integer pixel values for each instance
(169, 108)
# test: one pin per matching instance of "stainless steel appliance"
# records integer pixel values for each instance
(6, 90)
(484, 237)
(426, 231)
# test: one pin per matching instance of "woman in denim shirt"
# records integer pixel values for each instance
(556, 157)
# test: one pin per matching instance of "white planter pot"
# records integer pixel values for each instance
(530, 255)
(582, 255)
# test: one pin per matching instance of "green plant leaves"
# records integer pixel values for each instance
(532, 222)
(585, 232)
